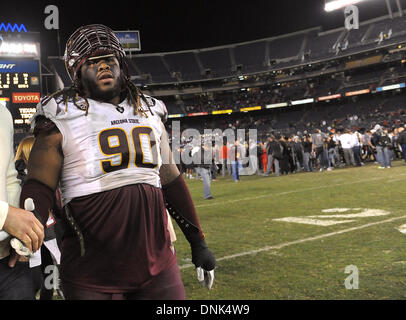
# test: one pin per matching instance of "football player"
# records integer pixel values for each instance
(104, 142)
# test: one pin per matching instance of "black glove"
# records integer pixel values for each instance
(202, 256)
(205, 263)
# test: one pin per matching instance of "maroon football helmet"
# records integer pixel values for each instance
(87, 41)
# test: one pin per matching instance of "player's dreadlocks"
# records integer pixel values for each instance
(83, 43)
(75, 94)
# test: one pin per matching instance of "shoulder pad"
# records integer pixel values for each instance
(47, 108)
(158, 107)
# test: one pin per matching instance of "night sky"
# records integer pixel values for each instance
(172, 25)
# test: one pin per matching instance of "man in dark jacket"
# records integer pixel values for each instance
(382, 144)
(298, 152)
(286, 150)
(275, 153)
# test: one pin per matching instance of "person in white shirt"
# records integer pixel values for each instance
(17, 281)
(347, 143)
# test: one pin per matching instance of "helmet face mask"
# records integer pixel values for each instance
(90, 41)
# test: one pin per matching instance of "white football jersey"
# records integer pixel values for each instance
(110, 147)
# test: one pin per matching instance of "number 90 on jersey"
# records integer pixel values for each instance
(140, 149)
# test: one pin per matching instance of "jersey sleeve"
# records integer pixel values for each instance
(162, 111)
(44, 118)
(158, 108)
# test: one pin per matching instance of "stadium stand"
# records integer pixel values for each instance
(286, 47)
(304, 65)
(264, 55)
(250, 56)
(154, 66)
(217, 62)
(186, 64)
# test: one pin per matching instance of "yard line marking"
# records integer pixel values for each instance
(395, 180)
(364, 213)
(290, 243)
(339, 209)
(315, 219)
(287, 192)
(316, 222)
(402, 228)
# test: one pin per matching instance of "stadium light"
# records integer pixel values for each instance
(332, 5)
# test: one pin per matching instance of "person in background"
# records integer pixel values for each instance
(298, 152)
(263, 156)
(367, 149)
(269, 159)
(338, 149)
(285, 161)
(307, 150)
(331, 147)
(202, 159)
(225, 162)
(357, 145)
(235, 156)
(318, 139)
(347, 143)
(22, 155)
(17, 280)
(383, 144)
(276, 152)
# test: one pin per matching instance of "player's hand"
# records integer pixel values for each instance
(26, 227)
(14, 257)
(206, 278)
(205, 262)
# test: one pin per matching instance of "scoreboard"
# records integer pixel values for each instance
(20, 76)
(20, 89)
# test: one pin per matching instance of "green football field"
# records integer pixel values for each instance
(322, 235)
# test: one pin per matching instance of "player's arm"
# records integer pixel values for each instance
(180, 206)
(177, 195)
(15, 221)
(44, 167)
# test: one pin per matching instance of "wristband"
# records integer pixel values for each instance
(43, 197)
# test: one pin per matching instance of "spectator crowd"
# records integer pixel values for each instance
(279, 154)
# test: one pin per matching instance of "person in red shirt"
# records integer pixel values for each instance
(225, 163)
(264, 157)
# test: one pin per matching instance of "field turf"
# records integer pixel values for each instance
(261, 258)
